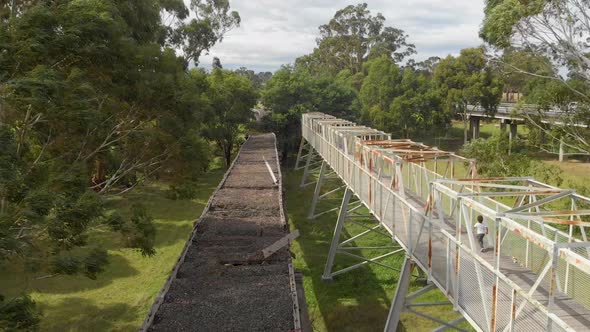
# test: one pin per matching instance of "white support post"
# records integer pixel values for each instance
(316, 193)
(554, 280)
(342, 215)
(399, 299)
(430, 249)
(497, 253)
(306, 170)
(456, 276)
(439, 206)
(448, 268)
(510, 327)
(301, 146)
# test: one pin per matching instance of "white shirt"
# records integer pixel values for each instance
(481, 228)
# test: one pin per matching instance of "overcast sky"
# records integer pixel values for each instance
(275, 32)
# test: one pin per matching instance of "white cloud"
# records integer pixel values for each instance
(275, 32)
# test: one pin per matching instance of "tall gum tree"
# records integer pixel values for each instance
(556, 30)
(93, 100)
(352, 37)
(468, 80)
(232, 97)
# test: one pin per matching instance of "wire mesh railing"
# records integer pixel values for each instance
(411, 190)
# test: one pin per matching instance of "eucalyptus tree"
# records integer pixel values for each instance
(379, 88)
(232, 98)
(294, 90)
(258, 79)
(468, 80)
(94, 100)
(352, 37)
(403, 101)
(560, 32)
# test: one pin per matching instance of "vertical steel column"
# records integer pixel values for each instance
(475, 125)
(306, 170)
(554, 280)
(316, 193)
(448, 269)
(553, 283)
(513, 131)
(342, 215)
(429, 248)
(399, 299)
(497, 234)
(570, 239)
(510, 326)
(301, 145)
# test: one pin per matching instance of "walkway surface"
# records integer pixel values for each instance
(574, 314)
(222, 282)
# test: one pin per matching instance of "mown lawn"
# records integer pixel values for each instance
(453, 140)
(574, 171)
(121, 296)
(354, 301)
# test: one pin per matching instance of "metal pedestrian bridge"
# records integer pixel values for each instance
(534, 276)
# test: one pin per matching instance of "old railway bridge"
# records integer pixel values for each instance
(235, 272)
(534, 277)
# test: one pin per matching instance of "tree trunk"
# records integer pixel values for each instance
(99, 175)
(285, 153)
(227, 153)
(465, 129)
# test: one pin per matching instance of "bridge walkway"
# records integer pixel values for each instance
(571, 312)
(535, 277)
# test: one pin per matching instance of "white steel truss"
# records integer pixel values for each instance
(534, 275)
(347, 213)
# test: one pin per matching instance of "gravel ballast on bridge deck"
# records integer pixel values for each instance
(222, 282)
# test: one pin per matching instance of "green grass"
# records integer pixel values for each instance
(574, 171)
(354, 301)
(121, 296)
(453, 140)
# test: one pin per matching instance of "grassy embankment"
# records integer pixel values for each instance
(121, 296)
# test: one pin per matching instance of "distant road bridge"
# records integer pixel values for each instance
(513, 115)
(534, 276)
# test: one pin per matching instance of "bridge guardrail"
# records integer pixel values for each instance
(500, 304)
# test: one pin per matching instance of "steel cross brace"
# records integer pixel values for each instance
(404, 302)
(344, 247)
(303, 147)
(325, 174)
(312, 159)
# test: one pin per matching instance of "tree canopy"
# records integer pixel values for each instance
(352, 37)
(291, 92)
(468, 80)
(232, 98)
(360, 70)
(96, 98)
(553, 34)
